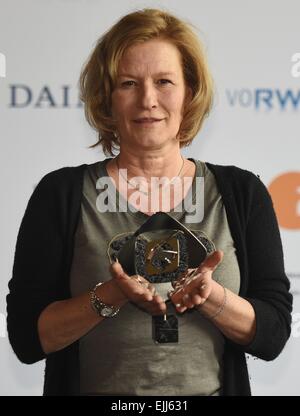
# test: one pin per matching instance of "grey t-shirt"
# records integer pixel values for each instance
(119, 356)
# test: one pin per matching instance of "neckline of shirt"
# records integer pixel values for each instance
(139, 215)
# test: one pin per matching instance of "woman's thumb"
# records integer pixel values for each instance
(117, 270)
(212, 261)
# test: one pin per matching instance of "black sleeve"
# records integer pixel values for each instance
(268, 290)
(36, 270)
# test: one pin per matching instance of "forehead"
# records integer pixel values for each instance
(154, 55)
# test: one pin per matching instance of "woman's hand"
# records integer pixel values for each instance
(138, 290)
(190, 291)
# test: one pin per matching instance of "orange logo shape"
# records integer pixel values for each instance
(285, 192)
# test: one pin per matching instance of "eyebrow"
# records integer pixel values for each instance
(159, 74)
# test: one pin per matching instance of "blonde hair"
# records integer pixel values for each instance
(99, 73)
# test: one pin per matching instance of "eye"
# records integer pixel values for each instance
(164, 81)
(128, 83)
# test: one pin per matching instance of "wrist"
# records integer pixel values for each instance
(215, 303)
(110, 294)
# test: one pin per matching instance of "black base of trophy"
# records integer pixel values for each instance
(164, 330)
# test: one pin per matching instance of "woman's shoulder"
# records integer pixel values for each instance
(233, 173)
(66, 171)
(237, 180)
(231, 170)
(62, 178)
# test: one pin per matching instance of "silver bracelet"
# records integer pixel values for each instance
(222, 306)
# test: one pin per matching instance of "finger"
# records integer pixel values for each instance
(147, 296)
(157, 298)
(211, 262)
(189, 296)
(199, 287)
(180, 299)
(150, 292)
(198, 282)
(180, 307)
(117, 271)
(170, 294)
(143, 283)
(136, 290)
(161, 308)
(174, 283)
(196, 299)
(176, 295)
(186, 301)
(181, 278)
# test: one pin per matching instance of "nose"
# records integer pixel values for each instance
(148, 96)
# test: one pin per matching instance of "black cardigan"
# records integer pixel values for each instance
(43, 258)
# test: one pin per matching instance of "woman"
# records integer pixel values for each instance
(147, 90)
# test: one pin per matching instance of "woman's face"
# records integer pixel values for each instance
(148, 98)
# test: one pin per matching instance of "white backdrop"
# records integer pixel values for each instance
(255, 124)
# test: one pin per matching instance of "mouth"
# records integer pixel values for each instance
(147, 120)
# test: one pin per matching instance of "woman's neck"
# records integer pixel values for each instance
(151, 164)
